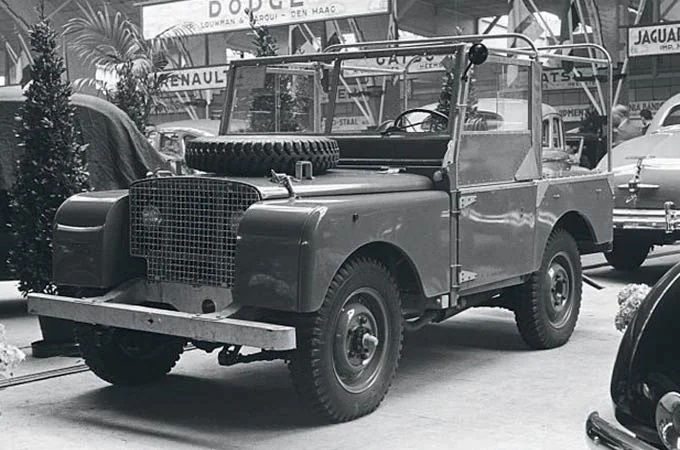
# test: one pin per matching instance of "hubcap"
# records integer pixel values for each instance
(560, 282)
(360, 337)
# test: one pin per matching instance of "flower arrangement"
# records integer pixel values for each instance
(630, 298)
(10, 356)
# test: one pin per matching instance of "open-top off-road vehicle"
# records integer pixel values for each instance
(336, 213)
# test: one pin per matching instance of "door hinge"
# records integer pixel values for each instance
(464, 276)
(460, 276)
(466, 200)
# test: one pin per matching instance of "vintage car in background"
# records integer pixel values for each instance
(117, 153)
(646, 176)
(646, 377)
(170, 138)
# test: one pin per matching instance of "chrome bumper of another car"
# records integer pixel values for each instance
(604, 435)
(666, 219)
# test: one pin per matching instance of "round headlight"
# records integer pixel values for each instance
(151, 216)
(668, 420)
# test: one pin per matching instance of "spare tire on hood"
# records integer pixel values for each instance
(258, 155)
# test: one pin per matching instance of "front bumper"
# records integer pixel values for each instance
(666, 220)
(602, 434)
(216, 327)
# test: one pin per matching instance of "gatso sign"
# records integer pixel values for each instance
(213, 16)
(660, 39)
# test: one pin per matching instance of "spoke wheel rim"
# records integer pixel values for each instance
(560, 290)
(360, 340)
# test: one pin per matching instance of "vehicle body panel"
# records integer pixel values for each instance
(498, 232)
(342, 182)
(289, 251)
(91, 241)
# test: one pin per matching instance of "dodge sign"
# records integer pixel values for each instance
(659, 39)
(214, 16)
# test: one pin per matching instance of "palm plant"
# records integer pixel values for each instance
(111, 41)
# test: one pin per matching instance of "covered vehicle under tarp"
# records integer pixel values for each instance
(117, 154)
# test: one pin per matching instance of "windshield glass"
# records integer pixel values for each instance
(370, 93)
(388, 93)
(373, 92)
(275, 99)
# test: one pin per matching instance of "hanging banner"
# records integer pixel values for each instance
(215, 16)
(196, 79)
(560, 79)
(573, 113)
(659, 39)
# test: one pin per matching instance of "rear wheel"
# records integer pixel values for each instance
(349, 350)
(627, 253)
(127, 357)
(547, 305)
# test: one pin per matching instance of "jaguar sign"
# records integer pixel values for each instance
(659, 39)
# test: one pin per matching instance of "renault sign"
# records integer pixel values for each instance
(196, 79)
(214, 16)
(659, 39)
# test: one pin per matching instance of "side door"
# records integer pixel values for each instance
(498, 169)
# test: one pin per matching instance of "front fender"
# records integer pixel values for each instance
(289, 251)
(91, 241)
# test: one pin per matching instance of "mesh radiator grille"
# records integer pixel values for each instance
(185, 227)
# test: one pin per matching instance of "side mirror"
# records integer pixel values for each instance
(478, 54)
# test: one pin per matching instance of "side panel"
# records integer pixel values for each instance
(289, 265)
(497, 232)
(589, 196)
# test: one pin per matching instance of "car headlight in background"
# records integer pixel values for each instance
(668, 420)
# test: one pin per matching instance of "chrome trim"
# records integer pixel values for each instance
(666, 219)
(606, 435)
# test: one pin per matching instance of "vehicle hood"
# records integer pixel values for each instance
(649, 345)
(341, 182)
(660, 173)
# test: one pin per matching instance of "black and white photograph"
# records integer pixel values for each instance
(340, 224)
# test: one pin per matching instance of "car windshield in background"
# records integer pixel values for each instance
(673, 117)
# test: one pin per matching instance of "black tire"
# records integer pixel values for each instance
(258, 155)
(544, 323)
(127, 357)
(628, 254)
(327, 372)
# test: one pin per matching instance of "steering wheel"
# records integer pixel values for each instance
(401, 122)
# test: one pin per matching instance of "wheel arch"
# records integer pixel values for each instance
(398, 262)
(580, 229)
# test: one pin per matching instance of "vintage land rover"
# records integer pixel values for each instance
(332, 217)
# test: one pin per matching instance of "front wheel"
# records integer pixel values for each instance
(127, 357)
(547, 305)
(348, 351)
